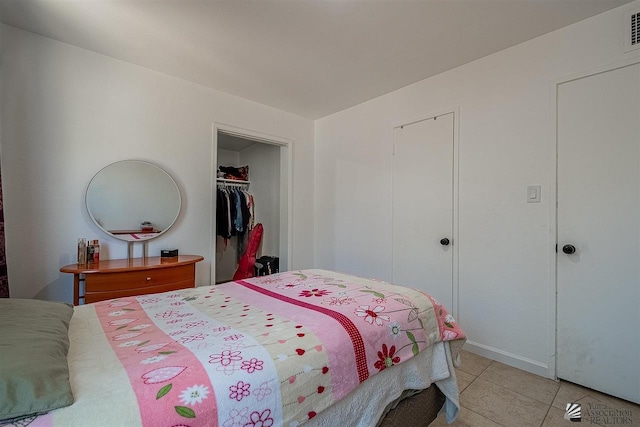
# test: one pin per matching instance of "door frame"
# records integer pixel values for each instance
(455, 247)
(286, 186)
(553, 203)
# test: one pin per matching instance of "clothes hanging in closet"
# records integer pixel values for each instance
(234, 215)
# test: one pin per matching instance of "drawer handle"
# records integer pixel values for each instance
(148, 278)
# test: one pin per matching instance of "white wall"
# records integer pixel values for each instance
(264, 170)
(505, 140)
(67, 112)
(228, 158)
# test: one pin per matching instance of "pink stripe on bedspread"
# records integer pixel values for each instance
(171, 385)
(344, 378)
(349, 327)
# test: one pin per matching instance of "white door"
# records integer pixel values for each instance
(423, 206)
(598, 311)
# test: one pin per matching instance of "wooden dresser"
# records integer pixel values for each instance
(138, 276)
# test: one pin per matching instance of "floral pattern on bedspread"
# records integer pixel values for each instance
(266, 351)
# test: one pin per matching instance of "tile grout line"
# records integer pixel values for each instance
(546, 415)
(492, 362)
(480, 415)
(470, 373)
(517, 392)
(505, 388)
(551, 405)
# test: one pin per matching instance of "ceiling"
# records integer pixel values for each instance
(308, 57)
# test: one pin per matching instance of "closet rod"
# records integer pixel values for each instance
(236, 181)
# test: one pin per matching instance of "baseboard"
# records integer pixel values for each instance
(508, 358)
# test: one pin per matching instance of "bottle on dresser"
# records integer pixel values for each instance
(82, 251)
(96, 251)
(93, 251)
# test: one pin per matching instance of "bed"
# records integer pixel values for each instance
(310, 347)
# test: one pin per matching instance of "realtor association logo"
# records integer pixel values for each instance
(573, 412)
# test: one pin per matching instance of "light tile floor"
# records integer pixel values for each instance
(494, 394)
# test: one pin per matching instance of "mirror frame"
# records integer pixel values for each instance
(142, 239)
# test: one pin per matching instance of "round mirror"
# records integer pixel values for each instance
(133, 200)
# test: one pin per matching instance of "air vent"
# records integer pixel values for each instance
(632, 33)
(635, 30)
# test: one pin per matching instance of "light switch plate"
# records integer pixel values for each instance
(533, 194)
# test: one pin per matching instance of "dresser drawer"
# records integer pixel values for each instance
(102, 282)
(111, 294)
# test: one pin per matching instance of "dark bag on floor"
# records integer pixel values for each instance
(266, 265)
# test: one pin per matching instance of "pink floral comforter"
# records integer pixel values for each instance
(267, 351)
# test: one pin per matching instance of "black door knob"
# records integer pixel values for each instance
(569, 249)
(444, 242)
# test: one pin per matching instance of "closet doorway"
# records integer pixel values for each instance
(424, 196)
(268, 159)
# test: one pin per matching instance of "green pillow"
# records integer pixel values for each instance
(34, 342)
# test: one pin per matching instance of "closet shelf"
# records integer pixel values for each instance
(231, 181)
